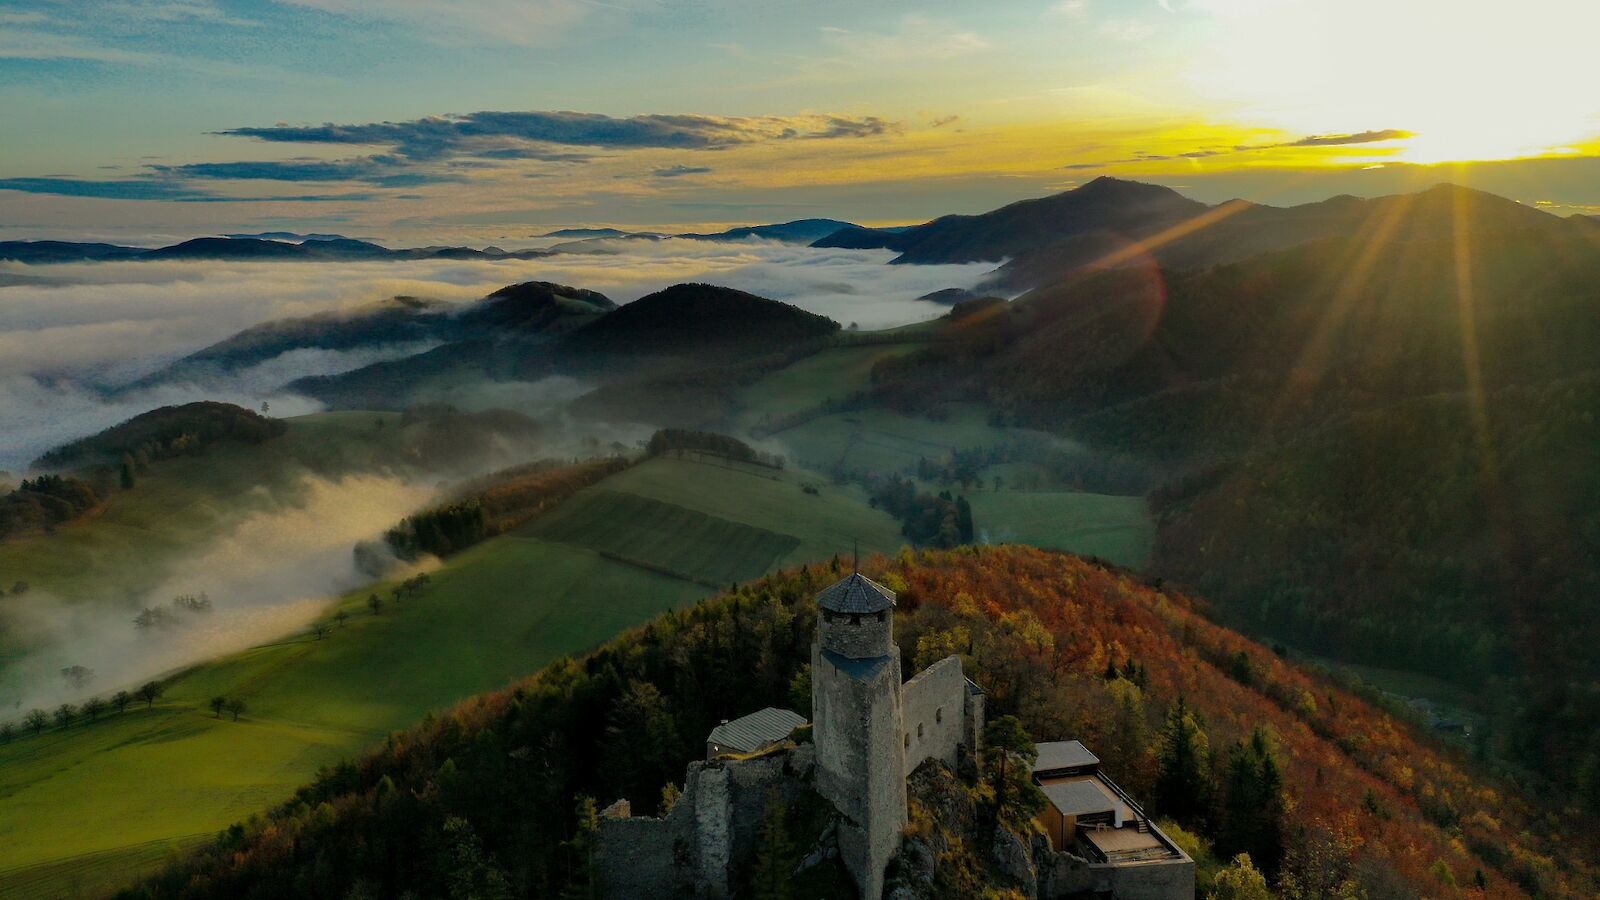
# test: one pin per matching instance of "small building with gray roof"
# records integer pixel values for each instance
(756, 731)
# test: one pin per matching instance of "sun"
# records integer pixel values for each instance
(1470, 79)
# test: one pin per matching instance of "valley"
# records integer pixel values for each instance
(663, 533)
(1272, 419)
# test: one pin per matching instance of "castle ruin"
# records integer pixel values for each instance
(869, 732)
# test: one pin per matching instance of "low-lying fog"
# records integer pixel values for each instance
(268, 576)
(88, 327)
(97, 325)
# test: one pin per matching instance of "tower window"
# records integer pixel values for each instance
(919, 731)
(855, 620)
(880, 615)
(938, 715)
(908, 740)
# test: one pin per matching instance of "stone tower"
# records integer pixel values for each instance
(858, 724)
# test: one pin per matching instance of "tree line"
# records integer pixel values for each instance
(35, 721)
(494, 505)
(501, 792)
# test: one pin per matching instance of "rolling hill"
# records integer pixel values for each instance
(1376, 445)
(640, 542)
(696, 318)
(1369, 806)
(1104, 205)
(800, 231)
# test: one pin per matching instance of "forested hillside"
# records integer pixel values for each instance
(1378, 449)
(1187, 715)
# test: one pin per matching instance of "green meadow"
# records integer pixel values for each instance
(831, 374)
(884, 441)
(92, 805)
(492, 614)
(827, 522)
(1111, 527)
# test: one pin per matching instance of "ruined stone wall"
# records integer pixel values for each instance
(975, 705)
(934, 709)
(711, 833)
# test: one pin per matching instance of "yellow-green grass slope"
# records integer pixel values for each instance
(88, 806)
(179, 503)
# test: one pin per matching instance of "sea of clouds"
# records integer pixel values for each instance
(71, 332)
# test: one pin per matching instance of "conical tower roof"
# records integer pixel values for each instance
(856, 594)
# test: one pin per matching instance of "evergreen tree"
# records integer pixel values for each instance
(1251, 817)
(579, 851)
(642, 746)
(964, 519)
(1008, 757)
(1183, 777)
(800, 691)
(774, 864)
(670, 794)
(127, 472)
(470, 873)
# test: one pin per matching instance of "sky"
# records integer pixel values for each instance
(493, 121)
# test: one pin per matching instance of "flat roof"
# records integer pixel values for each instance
(1079, 798)
(1126, 844)
(1055, 755)
(756, 730)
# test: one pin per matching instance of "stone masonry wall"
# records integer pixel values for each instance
(1070, 876)
(860, 638)
(710, 834)
(934, 710)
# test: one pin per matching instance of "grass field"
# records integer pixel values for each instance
(709, 548)
(887, 442)
(496, 612)
(1115, 528)
(99, 803)
(825, 523)
(834, 373)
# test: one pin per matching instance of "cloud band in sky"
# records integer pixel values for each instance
(475, 133)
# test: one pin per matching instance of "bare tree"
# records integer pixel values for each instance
(64, 715)
(77, 676)
(36, 719)
(375, 603)
(340, 616)
(93, 707)
(235, 707)
(217, 703)
(150, 693)
(120, 700)
(320, 630)
(5, 732)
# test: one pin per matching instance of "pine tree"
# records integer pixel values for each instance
(1252, 803)
(1183, 779)
(1008, 757)
(470, 872)
(580, 851)
(773, 868)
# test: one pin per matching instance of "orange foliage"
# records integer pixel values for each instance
(1432, 803)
